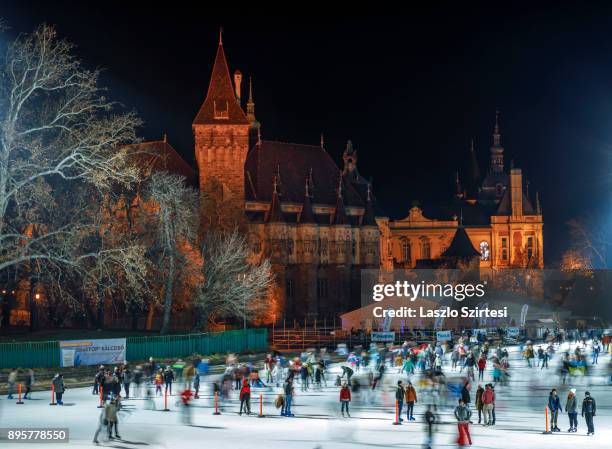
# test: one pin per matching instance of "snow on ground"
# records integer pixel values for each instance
(317, 424)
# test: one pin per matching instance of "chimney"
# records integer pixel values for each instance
(516, 192)
(237, 82)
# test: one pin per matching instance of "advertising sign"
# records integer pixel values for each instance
(92, 352)
(443, 336)
(383, 337)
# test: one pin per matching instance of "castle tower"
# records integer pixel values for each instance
(221, 133)
(497, 150)
(254, 125)
(349, 157)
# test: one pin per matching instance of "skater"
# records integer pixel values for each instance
(399, 397)
(196, 385)
(58, 384)
(465, 394)
(411, 398)
(168, 379)
(479, 404)
(348, 372)
(554, 405)
(570, 407)
(111, 416)
(430, 419)
(482, 363)
(463, 414)
(245, 397)
(488, 402)
(345, 398)
(159, 379)
(12, 380)
(588, 412)
(288, 389)
(127, 379)
(186, 396)
(595, 354)
(98, 380)
(29, 382)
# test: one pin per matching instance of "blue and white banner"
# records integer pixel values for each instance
(92, 352)
(386, 337)
(443, 336)
(513, 332)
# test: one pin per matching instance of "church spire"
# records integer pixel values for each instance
(369, 216)
(458, 190)
(497, 151)
(220, 105)
(538, 207)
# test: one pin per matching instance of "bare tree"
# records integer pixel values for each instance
(57, 129)
(173, 220)
(232, 286)
(590, 239)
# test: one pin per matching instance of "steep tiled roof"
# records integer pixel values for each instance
(293, 162)
(505, 205)
(159, 155)
(220, 105)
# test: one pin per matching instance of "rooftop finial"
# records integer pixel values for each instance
(538, 207)
(274, 183)
(258, 136)
(472, 145)
(322, 141)
(307, 188)
(461, 217)
(165, 137)
(496, 134)
(250, 89)
(369, 197)
(340, 185)
(220, 35)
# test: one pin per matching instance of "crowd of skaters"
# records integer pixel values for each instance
(425, 365)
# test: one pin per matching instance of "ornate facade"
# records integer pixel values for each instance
(496, 212)
(316, 222)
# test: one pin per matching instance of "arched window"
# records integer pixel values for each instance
(529, 248)
(484, 250)
(426, 250)
(406, 256)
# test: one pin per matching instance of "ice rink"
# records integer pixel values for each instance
(317, 423)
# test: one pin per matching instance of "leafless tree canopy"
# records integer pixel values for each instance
(232, 287)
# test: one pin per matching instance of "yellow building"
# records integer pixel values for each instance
(496, 212)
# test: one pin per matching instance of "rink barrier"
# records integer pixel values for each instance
(19, 390)
(216, 412)
(261, 415)
(53, 395)
(546, 417)
(397, 421)
(46, 354)
(101, 404)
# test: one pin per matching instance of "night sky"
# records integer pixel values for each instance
(410, 92)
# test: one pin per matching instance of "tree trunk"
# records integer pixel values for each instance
(168, 295)
(150, 316)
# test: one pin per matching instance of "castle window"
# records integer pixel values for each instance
(504, 248)
(322, 288)
(290, 246)
(289, 288)
(426, 250)
(221, 109)
(484, 250)
(529, 248)
(406, 256)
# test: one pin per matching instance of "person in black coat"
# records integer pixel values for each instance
(588, 412)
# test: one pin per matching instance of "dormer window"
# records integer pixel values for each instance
(221, 109)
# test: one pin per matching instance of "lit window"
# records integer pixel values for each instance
(529, 248)
(406, 256)
(504, 251)
(426, 250)
(484, 250)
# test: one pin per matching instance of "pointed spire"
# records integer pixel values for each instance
(275, 214)
(340, 217)
(527, 188)
(220, 105)
(369, 216)
(461, 217)
(496, 134)
(165, 138)
(307, 215)
(322, 141)
(220, 35)
(458, 190)
(538, 207)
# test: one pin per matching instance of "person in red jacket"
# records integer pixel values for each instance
(245, 397)
(345, 398)
(482, 364)
(186, 396)
(488, 403)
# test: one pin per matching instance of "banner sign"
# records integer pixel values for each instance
(386, 337)
(92, 352)
(443, 336)
(513, 332)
